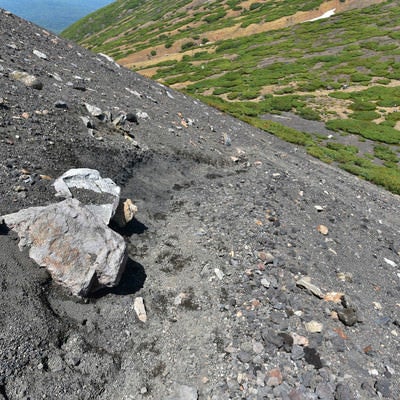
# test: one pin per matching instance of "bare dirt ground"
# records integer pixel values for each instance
(231, 222)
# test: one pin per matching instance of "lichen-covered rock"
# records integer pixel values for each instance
(77, 248)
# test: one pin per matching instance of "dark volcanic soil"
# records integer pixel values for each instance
(229, 221)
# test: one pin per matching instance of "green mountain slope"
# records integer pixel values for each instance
(257, 58)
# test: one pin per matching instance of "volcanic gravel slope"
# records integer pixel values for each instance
(230, 222)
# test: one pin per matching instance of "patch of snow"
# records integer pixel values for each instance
(324, 15)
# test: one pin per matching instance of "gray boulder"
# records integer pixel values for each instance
(73, 243)
(100, 195)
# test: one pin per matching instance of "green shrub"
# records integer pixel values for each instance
(254, 6)
(393, 102)
(383, 81)
(388, 123)
(282, 103)
(308, 113)
(249, 95)
(366, 129)
(285, 133)
(365, 115)
(359, 77)
(187, 45)
(219, 91)
(215, 17)
(385, 153)
(358, 105)
(389, 178)
(233, 96)
(394, 116)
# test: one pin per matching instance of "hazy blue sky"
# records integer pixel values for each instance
(54, 15)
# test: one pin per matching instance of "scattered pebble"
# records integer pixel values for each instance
(140, 309)
(322, 229)
(314, 326)
(313, 289)
(220, 275)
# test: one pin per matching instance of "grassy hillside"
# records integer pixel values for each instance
(257, 58)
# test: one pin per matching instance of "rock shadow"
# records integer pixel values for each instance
(132, 280)
(3, 228)
(134, 227)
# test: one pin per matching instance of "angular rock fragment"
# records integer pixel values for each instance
(27, 79)
(100, 195)
(390, 262)
(335, 297)
(93, 110)
(306, 284)
(40, 54)
(314, 326)
(110, 59)
(139, 308)
(348, 316)
(322, 229)
(88, 122)
(312, 357)
(119, 120)
(77, 248)
(124, 213)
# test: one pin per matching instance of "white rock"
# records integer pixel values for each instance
(306, 283)
(77, 248)
(140, 310)
(373, 372)
(93, 110)
(314, 326)
(39, 54)
(90, 180)
(134, 92)
(142, 114)
(266, 283)
(219, 273)
(110, 59)
(390, 262)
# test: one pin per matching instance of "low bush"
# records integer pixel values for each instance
(308, 113)
(362, 106)
(385, 153)
(365, 115)
(187, 45)
(366, 129)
